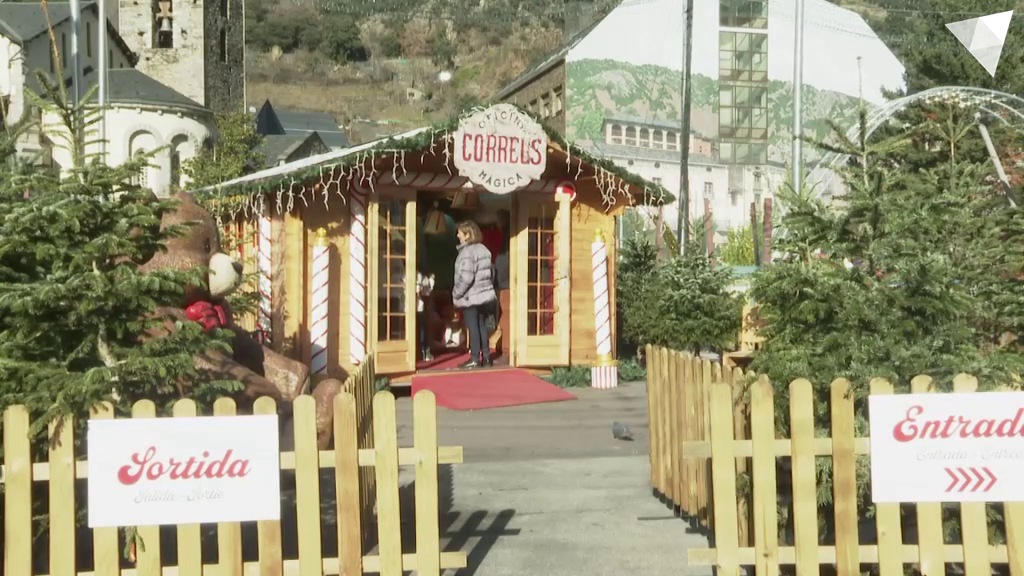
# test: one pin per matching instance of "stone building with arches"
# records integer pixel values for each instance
(171, 65)
(146, 116)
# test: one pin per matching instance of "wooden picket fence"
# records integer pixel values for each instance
(678, 400)
(363, 477)
(696, 466)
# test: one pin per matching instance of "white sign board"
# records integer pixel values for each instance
(149, 471)
(500, 148)
(947, 447)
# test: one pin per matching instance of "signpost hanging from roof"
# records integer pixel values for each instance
(500, 148)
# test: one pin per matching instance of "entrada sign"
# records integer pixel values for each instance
(150, 471)
(947, 447)
(500, 148)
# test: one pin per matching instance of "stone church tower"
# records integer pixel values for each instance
(196, 47)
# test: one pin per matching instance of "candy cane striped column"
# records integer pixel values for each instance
(605, 372)
(264, 264)
(357, 276)
(319, 287)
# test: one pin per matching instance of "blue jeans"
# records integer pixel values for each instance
(475, 319)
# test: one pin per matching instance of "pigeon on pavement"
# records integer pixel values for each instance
(622, 432)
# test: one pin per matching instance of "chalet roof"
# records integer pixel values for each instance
(248, 192)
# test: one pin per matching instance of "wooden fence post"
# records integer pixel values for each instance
(389, 520)
(682, 490)
(346, 482)
(929, 514)
(888, 521)
(973, 520)
(190, 557)
(61, 464)
(148, 551)
(844, 480)
(672, 429)
(307, 486)
(428, 545)
(229, 534)
(692, 467)
(723, 473)
(269, 531)
(765, 494)
(805, 485)
(17, 492)
(105, 550)
(664, 436)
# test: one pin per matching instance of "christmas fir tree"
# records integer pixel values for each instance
(916, 270)
(75, 309)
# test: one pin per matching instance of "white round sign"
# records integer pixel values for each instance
(500, 148)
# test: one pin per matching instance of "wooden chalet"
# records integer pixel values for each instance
(336, 239)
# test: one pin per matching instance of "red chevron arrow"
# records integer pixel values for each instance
(992, 479)
(981, 479)
(954, 482)
(967, 479)
(962, 480)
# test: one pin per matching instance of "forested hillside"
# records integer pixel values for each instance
(374, 65)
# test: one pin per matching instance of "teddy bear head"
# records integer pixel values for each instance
(199, 246)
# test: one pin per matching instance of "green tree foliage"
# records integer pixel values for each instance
(636, 293)
(918, 272)
(698, 311)
(916, 32)
(291, 28)
(922, 244)
(235, 153)
(738, 249)
(682, 302)
(74, 306)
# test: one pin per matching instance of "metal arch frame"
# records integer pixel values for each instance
(978, 96)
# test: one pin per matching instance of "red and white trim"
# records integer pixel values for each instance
(602, 310)
(604, 377)
(318, 297)
(605, 374)
(264, 265)
(357, 274)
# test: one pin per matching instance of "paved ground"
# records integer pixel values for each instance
(546, 490)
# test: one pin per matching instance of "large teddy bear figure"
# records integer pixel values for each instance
(262, 371)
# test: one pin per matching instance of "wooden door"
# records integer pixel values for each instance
(391, 286)
(541, 283)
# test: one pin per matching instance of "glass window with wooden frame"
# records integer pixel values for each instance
(743, 13)
(742, 57)
(541, 281)
(391, 270)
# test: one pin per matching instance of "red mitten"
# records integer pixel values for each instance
(208, 314)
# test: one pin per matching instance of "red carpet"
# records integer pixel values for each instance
(480, 389)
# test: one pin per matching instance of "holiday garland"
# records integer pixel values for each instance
(311, 184)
